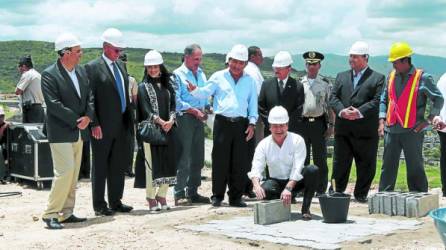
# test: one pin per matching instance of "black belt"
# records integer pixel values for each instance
(231, 119)
(36, 104)
(312, 119)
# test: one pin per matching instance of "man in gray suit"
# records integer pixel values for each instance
(355, 100)
(70, 109)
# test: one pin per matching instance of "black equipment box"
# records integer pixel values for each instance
(29, 154)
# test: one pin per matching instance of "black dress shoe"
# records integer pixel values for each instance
(73, 219)
(237, 203)
(104, 212)
(199, 199)
(122, 208)
(361, 199)
(53, 223)
(216, 202)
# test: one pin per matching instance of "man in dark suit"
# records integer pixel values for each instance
(282, 90)
(70, 109)
(112, 129)
(355, 101)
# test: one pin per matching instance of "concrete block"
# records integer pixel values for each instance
(269, 212)
(387, 205)
(378, 204)
(401, 203)
(420, 204)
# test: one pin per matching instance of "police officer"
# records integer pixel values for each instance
(317, 122)
(30, 92)
(401, 113)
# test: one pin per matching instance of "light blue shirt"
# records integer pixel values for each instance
(184, 100)
(231, 99)
(358, 77)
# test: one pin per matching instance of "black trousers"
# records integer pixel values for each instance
(109, 164)
(274, 187)
(85, 163)
(443, 161)
(33, 113)
(230, 158)
(363, 150)
(313, 132)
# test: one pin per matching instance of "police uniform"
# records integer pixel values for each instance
(315, 119)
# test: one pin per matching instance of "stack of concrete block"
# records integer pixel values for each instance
(269, 212)
(409, 204)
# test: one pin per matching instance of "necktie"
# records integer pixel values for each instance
(281, 87)
(119, 87)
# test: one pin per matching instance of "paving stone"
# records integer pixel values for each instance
(420, 204)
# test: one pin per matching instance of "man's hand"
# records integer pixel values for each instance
(259, 191)
(97, 132)
(351, 113)
(438, 123)
(381, 128)
(197, 113)
(190, 86)
(83, 122)
(250, 132)
(285, 196)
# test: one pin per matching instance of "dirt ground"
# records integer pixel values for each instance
(22, 228)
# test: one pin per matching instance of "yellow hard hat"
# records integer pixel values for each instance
(399, 50)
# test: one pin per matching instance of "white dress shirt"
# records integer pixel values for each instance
(253, 70)
(73, 77)
(285, 162)
(441, 85)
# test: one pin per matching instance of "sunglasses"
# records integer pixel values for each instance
(117, 50)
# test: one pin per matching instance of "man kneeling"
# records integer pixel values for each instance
(284, 154)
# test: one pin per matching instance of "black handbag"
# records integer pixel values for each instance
(151, 133)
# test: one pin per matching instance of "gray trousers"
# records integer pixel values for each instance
(412, 145)
(190, 155)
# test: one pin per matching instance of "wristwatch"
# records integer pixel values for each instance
(289, 189)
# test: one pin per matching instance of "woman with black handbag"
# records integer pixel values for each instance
(156, 117)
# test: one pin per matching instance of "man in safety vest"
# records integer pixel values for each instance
(402, 122)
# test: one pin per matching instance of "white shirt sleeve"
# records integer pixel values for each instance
(24, 81)
(258, 161)
(300, 153)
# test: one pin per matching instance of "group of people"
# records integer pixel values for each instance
(264, 133)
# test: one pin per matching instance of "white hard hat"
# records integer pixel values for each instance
(278, 115)
(227, 58)
(282, 59)
(359, 48)
(153, 57)
(114, 37)
(239, 52)
(66, 40)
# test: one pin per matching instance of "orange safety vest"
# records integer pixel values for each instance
(403, 109)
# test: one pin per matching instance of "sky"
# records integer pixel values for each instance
(328, 26)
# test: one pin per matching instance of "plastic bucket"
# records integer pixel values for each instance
(439, 216)
(334, 207)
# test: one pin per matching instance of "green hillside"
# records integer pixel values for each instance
(43, 54)
(334, 64)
